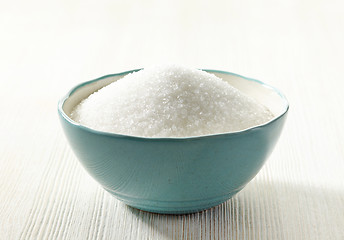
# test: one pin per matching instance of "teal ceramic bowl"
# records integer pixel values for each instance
(175, 175)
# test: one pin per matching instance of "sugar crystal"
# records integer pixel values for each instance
(170, 101)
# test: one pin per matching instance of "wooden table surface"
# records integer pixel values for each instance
(47, 47)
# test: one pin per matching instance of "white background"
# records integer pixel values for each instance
(47, 47)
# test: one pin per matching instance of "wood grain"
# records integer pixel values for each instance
(48, 47)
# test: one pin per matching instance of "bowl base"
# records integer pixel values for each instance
(173, 207)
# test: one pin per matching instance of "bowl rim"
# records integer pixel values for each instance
(116, 135)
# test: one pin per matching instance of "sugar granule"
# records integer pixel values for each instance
(170, 101)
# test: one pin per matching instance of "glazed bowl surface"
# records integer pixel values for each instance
(175, 175)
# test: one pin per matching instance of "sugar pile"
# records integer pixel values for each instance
(169, 101)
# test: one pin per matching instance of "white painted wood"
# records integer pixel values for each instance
(49, 46)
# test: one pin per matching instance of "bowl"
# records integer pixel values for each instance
(175, 175)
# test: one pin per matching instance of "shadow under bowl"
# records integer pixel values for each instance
(175, 175)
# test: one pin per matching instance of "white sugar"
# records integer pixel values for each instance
(170, 101)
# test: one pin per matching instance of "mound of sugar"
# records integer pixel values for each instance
(169, 101)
